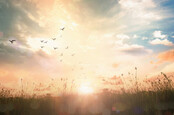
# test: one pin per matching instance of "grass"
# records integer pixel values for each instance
(147, 98)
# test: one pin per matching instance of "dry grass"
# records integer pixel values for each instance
(141, 98)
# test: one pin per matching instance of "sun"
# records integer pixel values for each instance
(86, 89)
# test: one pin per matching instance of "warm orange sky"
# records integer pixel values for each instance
(104, 38)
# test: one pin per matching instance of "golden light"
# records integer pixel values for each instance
(86, 90)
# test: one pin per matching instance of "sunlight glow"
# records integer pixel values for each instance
(85, 90)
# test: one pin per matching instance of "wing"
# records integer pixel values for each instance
(62, 28)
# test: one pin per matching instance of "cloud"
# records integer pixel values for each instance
(135, 36)
(9, 54)
(13, 55)
(161, 42)
(120, 40)
(158, 34)
(17, 19)
(167, 56)
(97, 7)
(90, 9)
(129, 4)
(122, 36)
(134, 49)
(144, 38)
(141, 10)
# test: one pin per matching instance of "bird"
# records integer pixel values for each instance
(42, 46)
(45, 41)
(11, 41)
(55, 48)
(42, 41)
(53, 38)
(62, 28)
(66, 47)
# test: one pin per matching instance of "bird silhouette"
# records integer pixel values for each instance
(46, 42)
(62, 28)
(42, 46)
(42, 41)
(55, 48)
(53, 38)
(12, 41)
(66, 47)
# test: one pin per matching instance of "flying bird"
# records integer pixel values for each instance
(42, 41)
(53, 38)
(11, 41)
(46, 42)
(62, 28)
(55, 48)
(42, 46)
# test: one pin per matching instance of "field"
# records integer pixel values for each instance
(156, 99)
(86, 57)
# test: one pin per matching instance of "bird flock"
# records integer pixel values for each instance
(45, 42)
(12, 41)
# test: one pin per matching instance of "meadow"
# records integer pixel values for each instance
(153, 97)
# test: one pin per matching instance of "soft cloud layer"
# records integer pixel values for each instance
(134, 49)
(122, 36)
(17, 19)
(161, 42)
(167, 56)
(139, 13)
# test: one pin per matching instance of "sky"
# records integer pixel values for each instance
(102, 38)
